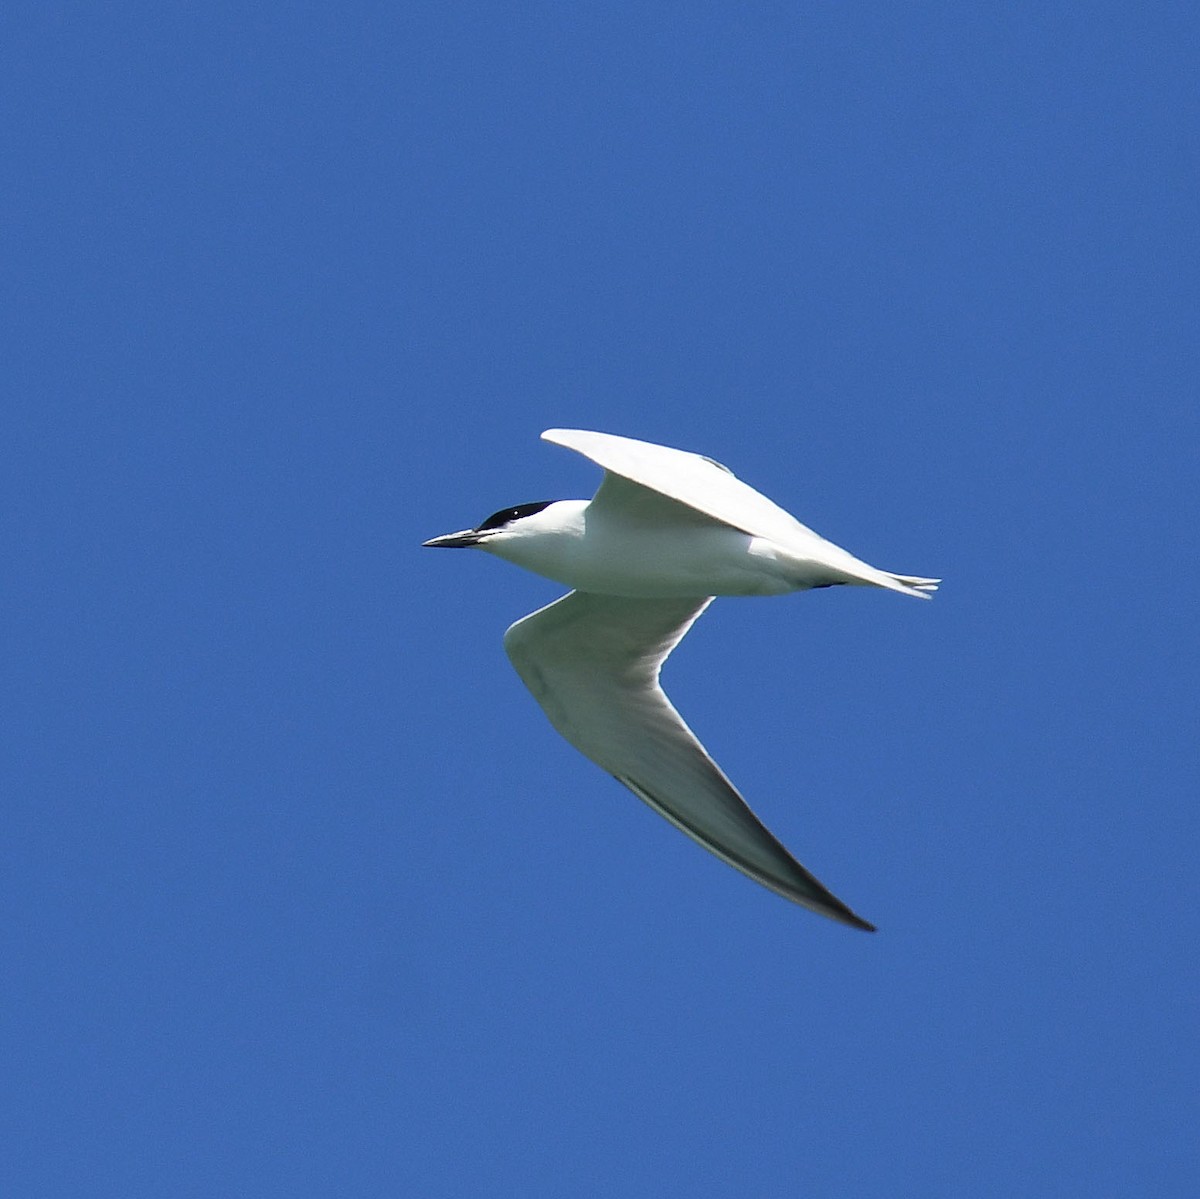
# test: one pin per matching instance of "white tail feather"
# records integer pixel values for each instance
(917, 583)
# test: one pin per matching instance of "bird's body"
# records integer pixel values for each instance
(618, 552)
(666, 531)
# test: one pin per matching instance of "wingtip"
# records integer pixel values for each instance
(816, 897)
(843, 915)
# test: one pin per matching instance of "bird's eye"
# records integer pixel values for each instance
(505, 516)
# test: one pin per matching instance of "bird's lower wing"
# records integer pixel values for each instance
(592, 662)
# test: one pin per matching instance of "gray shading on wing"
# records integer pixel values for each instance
(592, 662)
(635, 504)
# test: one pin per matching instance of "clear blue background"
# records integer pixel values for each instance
(300, 894)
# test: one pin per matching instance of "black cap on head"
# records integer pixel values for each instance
(506, 516)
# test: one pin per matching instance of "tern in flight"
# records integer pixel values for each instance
(666, 532)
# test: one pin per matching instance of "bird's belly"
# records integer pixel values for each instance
(684, 562)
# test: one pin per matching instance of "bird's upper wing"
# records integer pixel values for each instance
(689, 479)
(592, 662)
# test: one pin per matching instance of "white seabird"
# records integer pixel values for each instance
(666, 532)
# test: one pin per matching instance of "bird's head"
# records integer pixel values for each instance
(500, 525)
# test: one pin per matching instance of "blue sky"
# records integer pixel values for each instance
(299, 892)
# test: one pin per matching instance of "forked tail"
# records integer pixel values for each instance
(917, 584)
(836, 565)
